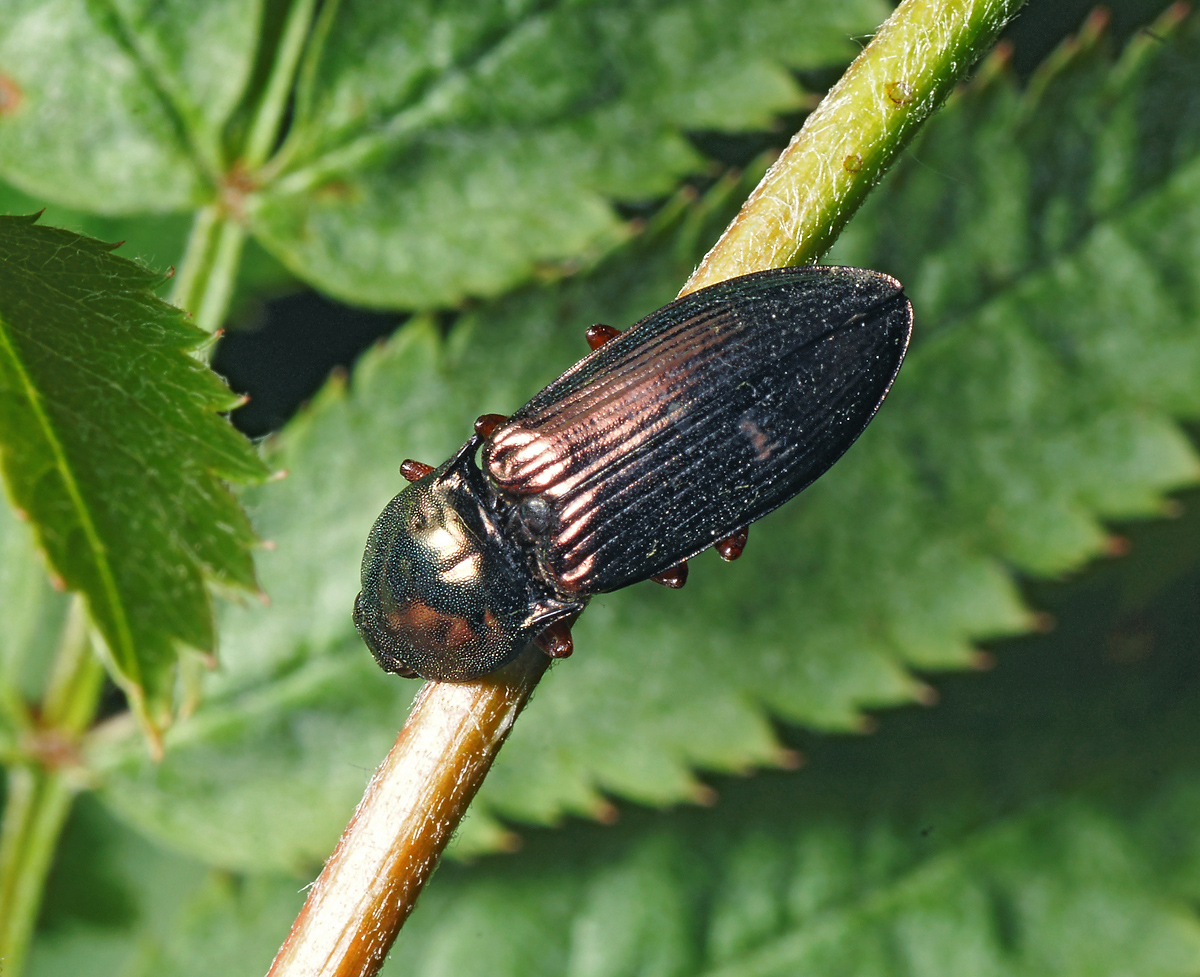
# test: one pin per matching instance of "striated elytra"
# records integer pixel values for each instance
(667, 439)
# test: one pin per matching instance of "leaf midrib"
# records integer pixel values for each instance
(205, 159)
(83, 512)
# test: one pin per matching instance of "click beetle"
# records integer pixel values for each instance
(669, 438)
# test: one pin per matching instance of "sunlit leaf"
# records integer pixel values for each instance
(112, 447)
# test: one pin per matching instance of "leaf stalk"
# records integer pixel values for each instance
(265, 129)
(41, 787)
(206, 278)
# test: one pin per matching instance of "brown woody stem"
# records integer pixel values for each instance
(407, 815)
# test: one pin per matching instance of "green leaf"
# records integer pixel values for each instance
(156, 240)
(1028, 412)
(424, 135)
(111, 445)
(442, 150)
(159, 241)
(119, 107)
(1045, 820)
(118, 906)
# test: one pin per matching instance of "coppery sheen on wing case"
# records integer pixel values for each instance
(669, 438)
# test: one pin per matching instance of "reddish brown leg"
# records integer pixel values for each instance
(485, 424)
(412, 470)
(556, 641)
(599, 334)
(674, 578)
(731, 547)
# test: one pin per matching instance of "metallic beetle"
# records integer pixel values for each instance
(669, 438)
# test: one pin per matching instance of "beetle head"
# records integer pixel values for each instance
(445, 595)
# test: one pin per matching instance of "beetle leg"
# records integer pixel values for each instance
(413, 470)
(556, 641)
(730, 548)
(485, 424)
(674, 578)
(599, 334)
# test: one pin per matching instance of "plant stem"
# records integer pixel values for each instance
(407, 815)
(416, 798)
(213, 303)
(191, 271)
(264, 131)
(35, 810)
(205, 279)
(207, 276)
(41, 788)
(923, 50)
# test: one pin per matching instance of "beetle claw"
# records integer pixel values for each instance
(485, 424)
(599, 334)
(556, 641)
(414, 470)
(674, 578)
(730, 548)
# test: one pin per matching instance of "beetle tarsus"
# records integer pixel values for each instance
(556, 641)
(485, 424)
(674, 578)
(730, 548)
(599, 334)
(414, 470)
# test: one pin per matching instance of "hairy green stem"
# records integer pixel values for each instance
(923, 50)
(41, 786)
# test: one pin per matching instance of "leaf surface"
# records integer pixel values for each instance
(111, 897)
(450, 149)
(1042, 820)
(1028, 412)
(424, 134)
(111, 445)
(119, 106)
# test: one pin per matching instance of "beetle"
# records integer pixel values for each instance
(669, 438)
